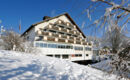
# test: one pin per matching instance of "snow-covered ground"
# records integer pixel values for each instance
(103, 65)
(25, 66)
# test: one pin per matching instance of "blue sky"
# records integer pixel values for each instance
(32, 11)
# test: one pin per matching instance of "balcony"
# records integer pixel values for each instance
(84, 43)
(71, 37)
(61, 40)
(52, 27)
(78, 42)
(55, 28)
(60, 22)
(78, 39)
(71, 32)
(90, 44)
(64, 36)
(64, 30)
(70, 41)
(55, 35)
(83, 40)
(70, 25)
(77, 33)
(45, 33)
(50, 39)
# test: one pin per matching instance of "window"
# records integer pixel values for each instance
(41, 44)
(71, 47)
(88, 49)
(86, 54)
(52, 45)
(61, 46)
(49, 45)
(37, 44)
(57, 56)
(78, 48)
(65, 56)
(44, 45)
(50, 55)
(78, 55)
(68, 47)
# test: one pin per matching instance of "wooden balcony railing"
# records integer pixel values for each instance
(63, 30)
(77, 33)
(45, 33)
(84, 43)
(50, 39)
(78, 42)
(71, 32)
(64, 36)
(55, 35)
(83, 40)
(90, 44)
(78, 39)
(55, 28)
(71, 37)
(52, 27)
(61, 40)
(70, 41)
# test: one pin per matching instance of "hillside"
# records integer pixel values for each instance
(25, 66)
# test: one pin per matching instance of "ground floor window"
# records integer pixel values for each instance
(78, 55)
(50, 55)
(65, 56)
(57, 56)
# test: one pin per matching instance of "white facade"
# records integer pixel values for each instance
(68, 44)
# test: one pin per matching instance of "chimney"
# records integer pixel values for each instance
(46, 17)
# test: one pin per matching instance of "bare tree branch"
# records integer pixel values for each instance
(117, 7)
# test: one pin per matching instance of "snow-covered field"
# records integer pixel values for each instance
(25, 66)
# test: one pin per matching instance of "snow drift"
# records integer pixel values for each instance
(25, 66)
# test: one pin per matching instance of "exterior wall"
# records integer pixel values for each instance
(69, 52)
(30, 34)
(42, 25)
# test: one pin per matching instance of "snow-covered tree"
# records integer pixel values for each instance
(114, 22)
(115, 39)
(117, 11)
(13, 41)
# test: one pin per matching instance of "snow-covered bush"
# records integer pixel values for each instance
(13, 41)
(121, 63)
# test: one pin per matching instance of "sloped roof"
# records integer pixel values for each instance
(66, 14)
